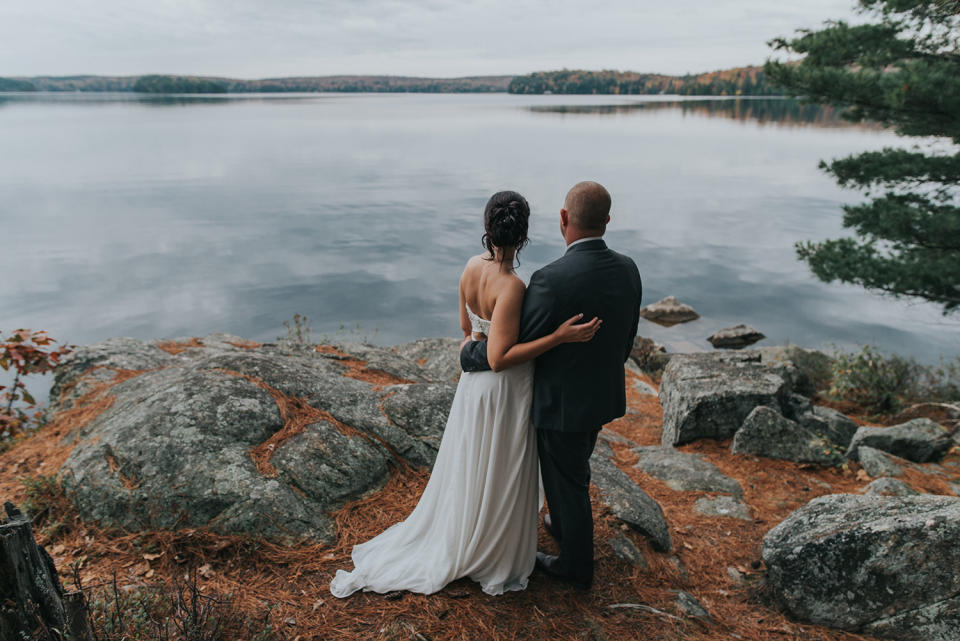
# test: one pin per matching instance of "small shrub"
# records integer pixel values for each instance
(298, 331)
(939, 384)
(25, 352)
(885, 383)
(167, 611)
(875, 381)
(43, 493)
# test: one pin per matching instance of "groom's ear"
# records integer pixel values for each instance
(564, 217)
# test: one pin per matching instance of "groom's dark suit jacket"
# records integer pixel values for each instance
(578, 387)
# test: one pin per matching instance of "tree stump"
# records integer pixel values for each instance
(33, 604)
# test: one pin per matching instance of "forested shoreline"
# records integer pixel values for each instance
(746, 81)
(741, 81)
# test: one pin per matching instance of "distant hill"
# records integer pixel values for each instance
(745, 81)
(202, 84)
(741, 81)
(15, 84)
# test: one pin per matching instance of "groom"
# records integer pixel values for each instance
(578, 387)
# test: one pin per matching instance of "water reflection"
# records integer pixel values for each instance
(775, 111)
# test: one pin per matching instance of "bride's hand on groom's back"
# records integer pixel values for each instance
(572, 332)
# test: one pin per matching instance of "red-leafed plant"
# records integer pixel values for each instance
(24, 352)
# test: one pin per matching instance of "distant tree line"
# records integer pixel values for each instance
(179, 84)
(741, 81)
(16, 84)
(196, 84)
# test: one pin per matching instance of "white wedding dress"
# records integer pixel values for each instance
(477, 516)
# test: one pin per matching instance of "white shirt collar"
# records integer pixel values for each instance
(582, 240)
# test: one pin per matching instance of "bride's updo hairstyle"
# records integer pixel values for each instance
(506, 220)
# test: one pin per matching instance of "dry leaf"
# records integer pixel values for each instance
(317, 604)
(149, 574)
(205, 571)
(59, 548)
(141, 568)
(152, 557)
(862, 475)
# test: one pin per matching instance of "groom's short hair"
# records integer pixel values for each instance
(588, 205)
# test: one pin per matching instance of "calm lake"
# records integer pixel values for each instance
(178, 215)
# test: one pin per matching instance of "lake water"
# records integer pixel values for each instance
(173, 216)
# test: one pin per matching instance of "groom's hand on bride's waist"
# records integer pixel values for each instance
(473, 356)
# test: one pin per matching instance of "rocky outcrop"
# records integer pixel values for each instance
(685, 472)
(736, 337)
(668, 311)
(880, 565)
(439, 357)
(264, 441)
(709, 395)
(723, 506)
(765, 432)
(627, 501)
(919, 440)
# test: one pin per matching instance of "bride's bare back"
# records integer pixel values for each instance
(482, 284)
(492, 290)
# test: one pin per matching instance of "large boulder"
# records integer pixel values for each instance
(919, 440)
(765, 432)
(830, 424)
(814, 367)
(709, 395)
(268, 440)
(627, 501)
(685, 472)
(881, 565)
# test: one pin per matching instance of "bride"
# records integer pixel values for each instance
(477, 516)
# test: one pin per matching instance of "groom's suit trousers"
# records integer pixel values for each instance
(565, 469)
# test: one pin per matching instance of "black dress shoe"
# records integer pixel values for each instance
(548, 526)
(548, 564)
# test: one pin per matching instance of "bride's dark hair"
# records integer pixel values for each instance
(506, 220)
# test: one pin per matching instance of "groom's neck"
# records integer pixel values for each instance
(573, 234)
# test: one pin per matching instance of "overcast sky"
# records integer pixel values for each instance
(441, 38)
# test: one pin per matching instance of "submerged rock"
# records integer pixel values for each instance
(669, 311)
(735, 337)
(874, 564)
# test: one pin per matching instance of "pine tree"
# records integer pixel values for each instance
(901, 69)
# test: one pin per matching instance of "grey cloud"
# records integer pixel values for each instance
(250, 38)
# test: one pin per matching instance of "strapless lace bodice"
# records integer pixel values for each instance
(477, 324)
